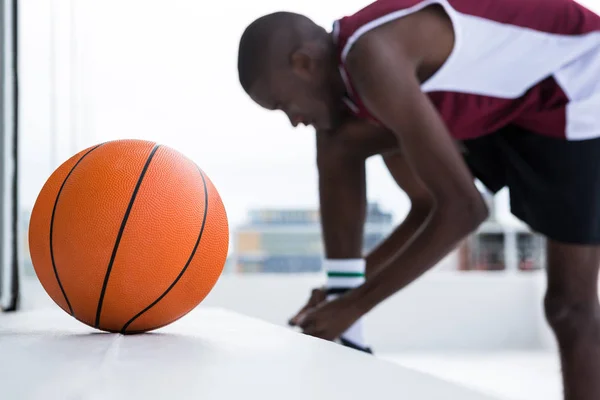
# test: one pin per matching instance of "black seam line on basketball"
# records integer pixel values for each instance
(120, 234)
(62, 289)
(187, 264)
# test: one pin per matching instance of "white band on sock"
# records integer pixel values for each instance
(347, 274)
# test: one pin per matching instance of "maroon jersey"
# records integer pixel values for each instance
(533, 63)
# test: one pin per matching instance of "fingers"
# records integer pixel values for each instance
(317, 296)
(311, 324)
(314, 327)
(307, 322)
(296, 318)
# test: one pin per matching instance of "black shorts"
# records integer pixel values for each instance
(554, 184)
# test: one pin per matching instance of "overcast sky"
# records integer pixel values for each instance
(166, 71)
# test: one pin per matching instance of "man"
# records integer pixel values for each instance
(506, 91)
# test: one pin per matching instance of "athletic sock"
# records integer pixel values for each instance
(343, 275)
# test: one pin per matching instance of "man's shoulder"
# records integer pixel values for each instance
(411, 39)
(393, 19)
(373, 15)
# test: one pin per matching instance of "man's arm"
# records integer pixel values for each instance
(342, 187)
(341, 160)
(421, 205)
(342, 190)
(384, 70)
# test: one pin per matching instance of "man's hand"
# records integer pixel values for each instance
(317, 297)
(330, 319)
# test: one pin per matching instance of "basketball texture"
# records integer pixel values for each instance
(128, 236)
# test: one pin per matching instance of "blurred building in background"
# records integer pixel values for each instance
(497, 246)
(289, 240)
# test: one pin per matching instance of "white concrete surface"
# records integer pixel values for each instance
(209, 354)
(510, 375)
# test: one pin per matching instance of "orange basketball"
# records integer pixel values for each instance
(128, 236)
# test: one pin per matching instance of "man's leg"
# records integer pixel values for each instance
(573, 312)
(553, 186)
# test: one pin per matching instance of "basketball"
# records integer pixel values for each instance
(128, 236)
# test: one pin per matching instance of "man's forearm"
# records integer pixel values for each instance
(341, 158)
(342, 197)
(343, 202)
(440, 235)
(397, 240)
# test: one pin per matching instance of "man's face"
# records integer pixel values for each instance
(306, 99)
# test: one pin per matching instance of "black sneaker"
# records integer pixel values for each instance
(352, 345)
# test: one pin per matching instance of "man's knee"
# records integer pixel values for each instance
(571, 317)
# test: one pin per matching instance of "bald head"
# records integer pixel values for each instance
(288, 63)
(270, 40)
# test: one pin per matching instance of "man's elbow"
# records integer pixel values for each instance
(466, 214)
(477, 212)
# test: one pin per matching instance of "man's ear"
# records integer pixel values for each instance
(303, 61)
